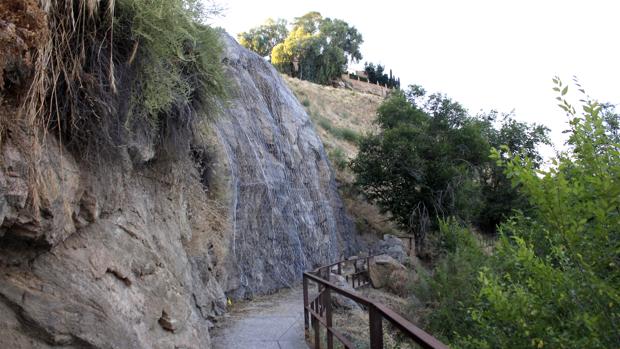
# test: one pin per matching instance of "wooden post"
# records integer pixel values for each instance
(316, 327)
(368, 268)
(328, 318)
(356, 271)
(376, 328)
(339, 269)
(306, 319)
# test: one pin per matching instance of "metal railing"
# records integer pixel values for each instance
(318, 311)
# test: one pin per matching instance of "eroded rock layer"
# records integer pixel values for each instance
(141, 252)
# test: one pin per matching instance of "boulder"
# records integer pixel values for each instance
(340, 301)
(399, 281)
(392, 246)
(383, 268)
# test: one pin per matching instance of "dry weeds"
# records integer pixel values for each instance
(350, 110)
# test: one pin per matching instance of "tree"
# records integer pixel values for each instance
(317, 49)
(376, 74)
(419, 167)
(552, 280)
(500, 197)
(338, 33)
(370, 70)
(310, 22)
(430, 161)
(264, 38)
(294, 50)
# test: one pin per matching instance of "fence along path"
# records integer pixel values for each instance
(279, 321)
(318, 309)
(267, 322)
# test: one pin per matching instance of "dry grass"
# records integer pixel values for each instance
(23, 37)
(355, 327)
(59, 71)
(345, 109)
(356, 111)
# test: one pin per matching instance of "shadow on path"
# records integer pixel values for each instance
(267, 322)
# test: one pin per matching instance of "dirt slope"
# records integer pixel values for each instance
(340, 117)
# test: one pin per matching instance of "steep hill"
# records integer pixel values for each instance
(340, 117)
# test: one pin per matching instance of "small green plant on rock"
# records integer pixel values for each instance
(339, 158)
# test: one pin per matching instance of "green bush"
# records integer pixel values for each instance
(451, 290)
(348, 135)
(145, 67)
(325, 123)
(339, 158)
(177, 58)
(430, 160)
(305, 102)
(338, 132)
(553, 279)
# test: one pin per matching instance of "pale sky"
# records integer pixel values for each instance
(484, 54)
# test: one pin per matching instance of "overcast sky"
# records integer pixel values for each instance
(485, 54)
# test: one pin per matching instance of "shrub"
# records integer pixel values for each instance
(178, 58)
(146, 66)
(339, 158)
(338, 132)
(451, 290)
(553, 279)
(325, 123)
(348, 135)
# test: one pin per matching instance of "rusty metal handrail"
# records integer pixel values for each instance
(319, 311)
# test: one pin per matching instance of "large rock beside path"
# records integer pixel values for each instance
(382, 269)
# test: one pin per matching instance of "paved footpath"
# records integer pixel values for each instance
(268, 322)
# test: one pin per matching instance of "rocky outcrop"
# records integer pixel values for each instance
(141, 252)
(340, 301)
(382, 269)
(287, 213)
(392, 246)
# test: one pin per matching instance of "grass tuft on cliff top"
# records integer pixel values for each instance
(110, 69)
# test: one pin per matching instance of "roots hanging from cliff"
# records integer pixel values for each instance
(105, 78)
(98, 72)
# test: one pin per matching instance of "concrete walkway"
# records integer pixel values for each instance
(268, 322)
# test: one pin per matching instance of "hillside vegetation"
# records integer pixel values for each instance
(342, 117)
(546, 273)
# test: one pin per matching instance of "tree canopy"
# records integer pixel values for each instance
(316, 49)
(552, 280)
(431, 160)
(263, 38)
(376, 74)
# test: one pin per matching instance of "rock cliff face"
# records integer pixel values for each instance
(141, 252)
(288, 215)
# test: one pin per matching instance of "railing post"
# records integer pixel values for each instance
(306, 319)
(376, 327)
(328, 317)
(316, 326)
(368, 269)
(410, 246)
(339, 269)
